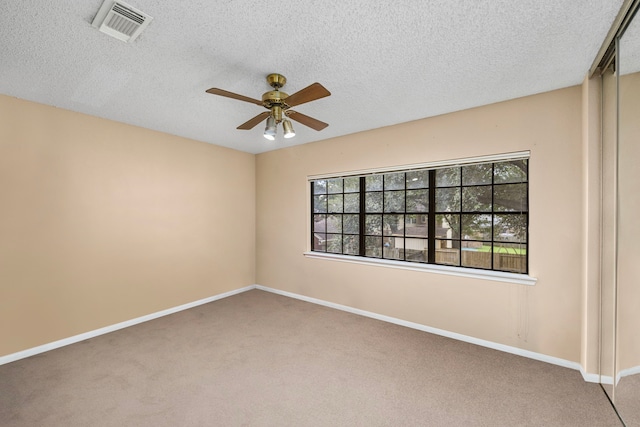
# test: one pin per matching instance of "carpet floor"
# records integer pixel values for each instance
(261, 359)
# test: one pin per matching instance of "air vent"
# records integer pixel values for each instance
(120, 20)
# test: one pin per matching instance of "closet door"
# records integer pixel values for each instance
(627, 362)
(609, 226)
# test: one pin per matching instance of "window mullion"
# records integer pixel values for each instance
(404, 221)
(361, 217)
(431, 219)
(342, 220)
(313, 184)
(526, 260)
(493, 219)
(382, 214)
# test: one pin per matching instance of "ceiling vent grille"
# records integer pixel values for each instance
(120, 20)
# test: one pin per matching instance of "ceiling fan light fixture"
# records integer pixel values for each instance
(278, 104)
(288, 129)
(270, 130)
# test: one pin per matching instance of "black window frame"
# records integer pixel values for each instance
(502, 252)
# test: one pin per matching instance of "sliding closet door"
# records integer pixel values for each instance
(627, 389)
(608, 270)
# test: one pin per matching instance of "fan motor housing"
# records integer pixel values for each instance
(274, 97)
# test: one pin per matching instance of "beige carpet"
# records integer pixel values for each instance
(259, 359)
(628, 400)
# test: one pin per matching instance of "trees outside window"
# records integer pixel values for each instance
(474, 215)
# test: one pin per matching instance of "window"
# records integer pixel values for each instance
(474, 215)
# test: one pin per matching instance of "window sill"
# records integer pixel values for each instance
(499, 276)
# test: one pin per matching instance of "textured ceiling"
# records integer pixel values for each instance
(385, 62)
(630, 48)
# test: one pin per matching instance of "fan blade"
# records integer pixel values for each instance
(216, 91)
(309, 93)
(253, 122)
(306, 120)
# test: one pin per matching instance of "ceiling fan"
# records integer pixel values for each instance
(279, 103)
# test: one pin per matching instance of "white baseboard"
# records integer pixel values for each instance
(91, 334)
(484, 343)
(623, 373)
(630, 371)
(591, 378)
(606, 379)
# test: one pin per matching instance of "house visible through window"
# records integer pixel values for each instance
(474, 215)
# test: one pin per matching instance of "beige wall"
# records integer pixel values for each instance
(102, 222)
(545, 318)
